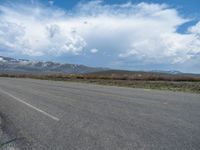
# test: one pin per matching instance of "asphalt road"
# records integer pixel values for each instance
(50, 115)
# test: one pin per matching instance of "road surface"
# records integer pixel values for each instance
(50, 115)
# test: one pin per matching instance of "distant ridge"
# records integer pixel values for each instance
(11, 65)
(138, 73)
(169, 72)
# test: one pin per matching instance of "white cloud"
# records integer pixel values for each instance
(51, 3)
(33, 32)
(195, 29)
(143, 32)
(94, 50)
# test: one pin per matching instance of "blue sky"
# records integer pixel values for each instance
(134, 35)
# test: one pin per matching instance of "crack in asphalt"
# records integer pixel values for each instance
(10, 137)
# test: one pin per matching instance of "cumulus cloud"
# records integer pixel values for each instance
(51, 3)
(135, 32)
(11, 34)
(195, 29)
(35, 32)
(94, 50)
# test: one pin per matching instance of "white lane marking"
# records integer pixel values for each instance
(146, 90)
(31, 106)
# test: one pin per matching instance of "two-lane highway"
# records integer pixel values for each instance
(52, 115)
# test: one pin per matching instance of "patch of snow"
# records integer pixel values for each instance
(24, 62)
(2, 60)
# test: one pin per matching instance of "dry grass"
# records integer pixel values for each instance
(185, 83)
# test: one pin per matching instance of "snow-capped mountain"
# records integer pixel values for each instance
(26, 66)
(167, 72)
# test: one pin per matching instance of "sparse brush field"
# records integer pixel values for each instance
(162, 81)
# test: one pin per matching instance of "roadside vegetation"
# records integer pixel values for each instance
(161, 81)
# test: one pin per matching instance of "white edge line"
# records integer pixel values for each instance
(31, 106)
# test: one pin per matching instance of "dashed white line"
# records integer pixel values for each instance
(31, 106)
(147, 90)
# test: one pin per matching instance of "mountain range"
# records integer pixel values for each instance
(11, 65)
